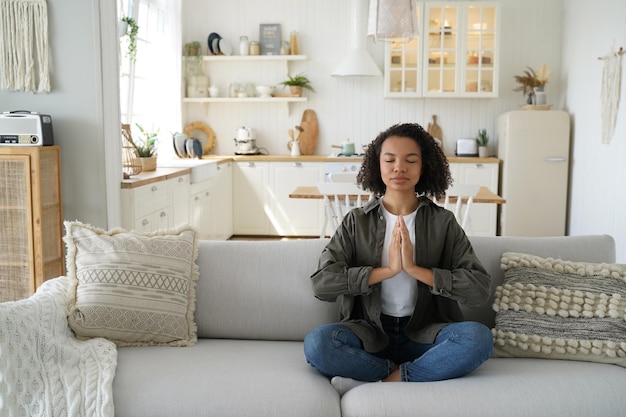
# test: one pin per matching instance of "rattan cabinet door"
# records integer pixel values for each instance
(31, 247)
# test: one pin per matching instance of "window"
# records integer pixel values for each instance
(150, 84)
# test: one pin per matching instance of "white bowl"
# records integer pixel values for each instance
(265, 90)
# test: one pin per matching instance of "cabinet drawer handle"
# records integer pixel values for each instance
(297, 164)
(207, 194)
(479, 165)
(154, 188)
(196, 198)
(144, 222)
(163, 214)
(250, 164)
(556, 159)
(181, 180)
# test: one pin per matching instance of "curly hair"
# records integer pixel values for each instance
(435, 177)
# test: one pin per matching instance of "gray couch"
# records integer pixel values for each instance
(254, 306)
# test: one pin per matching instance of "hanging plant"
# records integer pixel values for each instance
(131, 32)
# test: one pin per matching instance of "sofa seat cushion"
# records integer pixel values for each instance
(512, 387)
(221, 378)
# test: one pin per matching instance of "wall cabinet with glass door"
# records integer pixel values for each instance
(456, 54)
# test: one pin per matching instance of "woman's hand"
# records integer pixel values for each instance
(406, 247)
(422, 274)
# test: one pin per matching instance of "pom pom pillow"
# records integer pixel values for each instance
(133, 289)
(556, 309)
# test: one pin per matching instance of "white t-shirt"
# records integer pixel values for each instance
(399, 294)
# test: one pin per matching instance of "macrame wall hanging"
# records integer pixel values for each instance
(611, 90)
(24, 46)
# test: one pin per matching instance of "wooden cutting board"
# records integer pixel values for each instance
(309, 133)
(435, 130)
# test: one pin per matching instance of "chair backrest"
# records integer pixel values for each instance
(464, 196)
(342, 177)
(339, 198)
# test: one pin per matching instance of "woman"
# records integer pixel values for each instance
(399, 266)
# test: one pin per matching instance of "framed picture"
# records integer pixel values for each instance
(269, 38)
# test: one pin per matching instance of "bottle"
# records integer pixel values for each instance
(284, 48)
(295, 47)
(243, 45)
(255, 48)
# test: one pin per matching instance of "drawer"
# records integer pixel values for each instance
(150, 198)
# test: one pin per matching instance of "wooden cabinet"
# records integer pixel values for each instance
(31, 220)
(157, 205)
(483, 217)
(261, 199)
(455, 56)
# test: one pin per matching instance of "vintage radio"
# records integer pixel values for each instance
(23, 128)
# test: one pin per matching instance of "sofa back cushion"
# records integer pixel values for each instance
(593, 248)
(259, 290)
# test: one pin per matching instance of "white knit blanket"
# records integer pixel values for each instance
(44, 369)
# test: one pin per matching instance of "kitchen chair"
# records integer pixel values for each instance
(464, 194)
(343, 177)
(339, 198)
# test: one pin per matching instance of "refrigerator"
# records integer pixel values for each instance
(533, 147)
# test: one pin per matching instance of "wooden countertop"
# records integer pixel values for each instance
(484, 195)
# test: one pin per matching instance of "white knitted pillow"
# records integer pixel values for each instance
(551, 308)
(133, 289)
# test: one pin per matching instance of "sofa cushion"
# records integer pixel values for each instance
(131, 288)
(260, 290)
(501, 387)
(552, 308)
(221, 378)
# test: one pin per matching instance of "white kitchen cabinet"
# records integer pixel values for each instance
(251, 198)
(157, 205)
(456, 54)
(290, 216)
(201, 208)
(483, 217)
(261, 198)
(223, 201)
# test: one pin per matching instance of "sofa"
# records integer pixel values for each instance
(254, 305)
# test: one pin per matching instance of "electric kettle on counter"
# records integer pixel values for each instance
(245, 141)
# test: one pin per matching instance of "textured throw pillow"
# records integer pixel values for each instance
(556, 309)
(133, 289)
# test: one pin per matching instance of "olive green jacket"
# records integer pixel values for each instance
(440, 244)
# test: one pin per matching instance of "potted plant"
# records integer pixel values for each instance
(146, 148)
(532, 81)
(296, 83)
(130, 30)
(482, 138)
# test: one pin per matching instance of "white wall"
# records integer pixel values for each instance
(354, 107)
(598, 195)
(76, 106)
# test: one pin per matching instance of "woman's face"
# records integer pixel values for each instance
(400, 163)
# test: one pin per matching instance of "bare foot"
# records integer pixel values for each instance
(394, 376)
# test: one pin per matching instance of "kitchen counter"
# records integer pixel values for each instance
(165, 173)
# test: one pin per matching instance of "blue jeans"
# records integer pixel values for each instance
(458, 349)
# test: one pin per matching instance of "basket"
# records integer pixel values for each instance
(131, 163)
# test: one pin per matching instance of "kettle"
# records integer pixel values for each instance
(245, 141)
(244, 134)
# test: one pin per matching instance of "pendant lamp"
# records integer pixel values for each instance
(392, 20)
